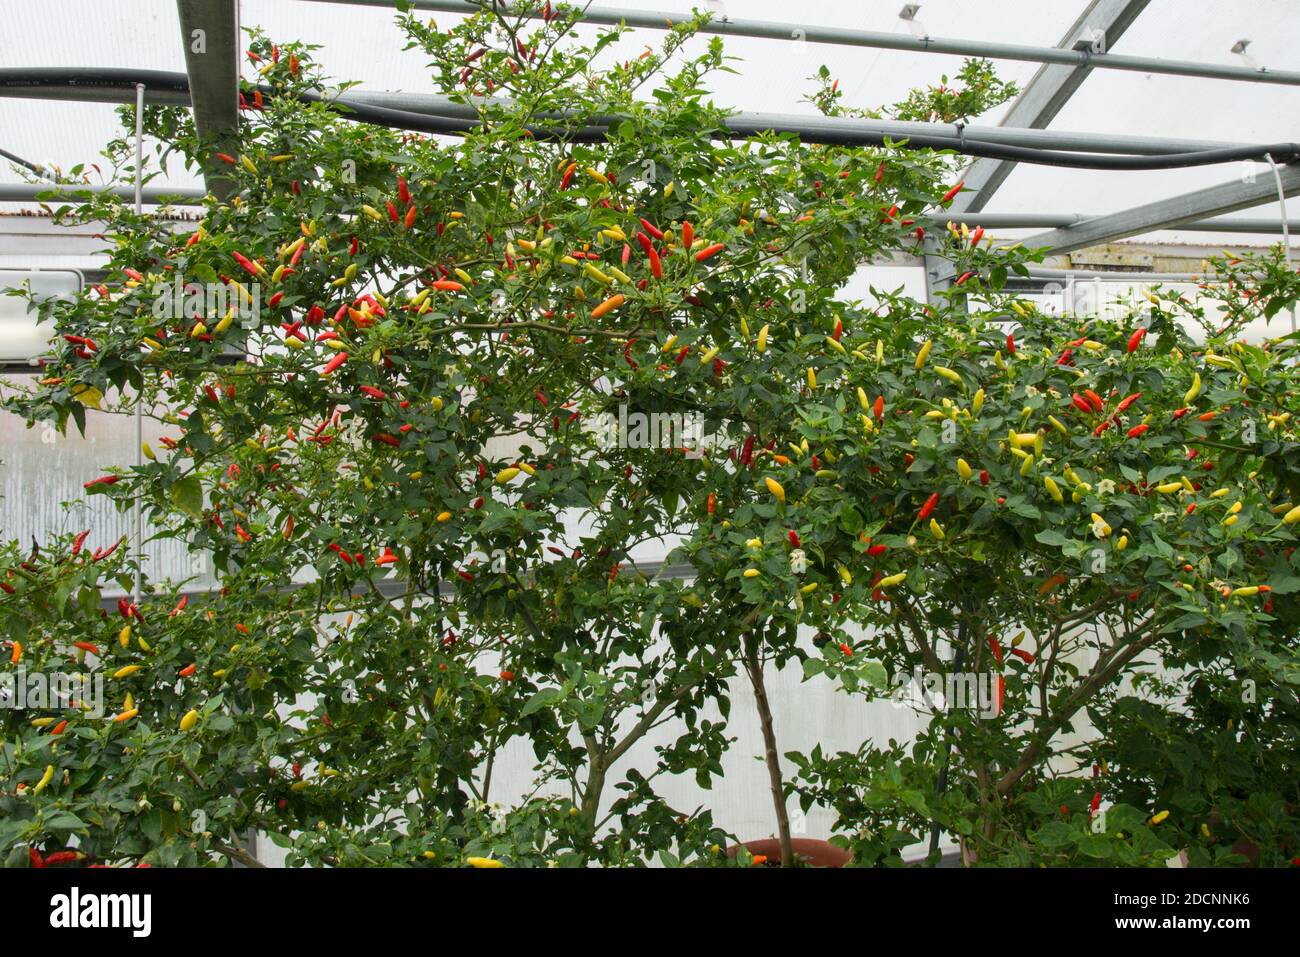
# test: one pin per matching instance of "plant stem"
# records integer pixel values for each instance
(754, 666)
(941, 784)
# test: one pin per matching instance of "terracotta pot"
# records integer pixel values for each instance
(808, 852)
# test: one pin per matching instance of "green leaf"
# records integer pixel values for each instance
(187, 495)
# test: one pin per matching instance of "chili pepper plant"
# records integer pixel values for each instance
(383, 440)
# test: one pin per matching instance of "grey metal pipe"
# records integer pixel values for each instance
(1058, 220)
(152, 195)
(795, 32)
(116, 86)
(1036, 272)
(27, 192)
(437, 105)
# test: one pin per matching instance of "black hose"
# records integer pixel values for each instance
(967, 145)
(34, 167)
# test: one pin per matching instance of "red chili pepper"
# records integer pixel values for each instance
(86, 646)
(1179, 413)
(1081, 404)
(1128, 401)
(708, 252)
(244, 261)
(875, 551)
(102, 480)
(78, 542)
(1103, 427)
(794, 537)
(34, 856)
(1095, 399)
(878, 408)
(465, 575)
(948, 196)
(392, 211)
(59, 728)
(1064, 360)
(373, 392)
(274, 300)
(403, 192)
(386, 439)
(1137, 430)
(996, 648)
(880, 172)
(225, 158)
(984, 476)
(651, 229)
(334, 363)
(409, 220)
(188, 671)
(976, 236)
(1135, 340)
(243, 535)
(1011, 344)
(928, 507)
(688, 236)
(1023, 655)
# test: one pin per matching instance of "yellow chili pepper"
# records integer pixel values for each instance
(46, 778)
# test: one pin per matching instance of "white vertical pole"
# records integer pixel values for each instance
(139, 401)
(1286, 232)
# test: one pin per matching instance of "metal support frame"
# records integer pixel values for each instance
(1035, 107)
(210, 32)
(1045, 94)
(729, 26)
(1168, 213)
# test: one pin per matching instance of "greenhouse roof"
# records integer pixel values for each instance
(360, 41)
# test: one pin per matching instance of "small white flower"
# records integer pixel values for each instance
(1100, 528)
(1106, 487)
(798, 562)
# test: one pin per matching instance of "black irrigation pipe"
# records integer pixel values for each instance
(36, 168)
(177, 84)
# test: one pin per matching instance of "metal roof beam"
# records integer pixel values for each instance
(210, 32)
(1103, 22)
(730, 26)
(1169, 213)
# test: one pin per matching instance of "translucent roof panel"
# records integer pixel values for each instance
(363, 43)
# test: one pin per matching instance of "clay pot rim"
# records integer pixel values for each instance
(813, 851)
